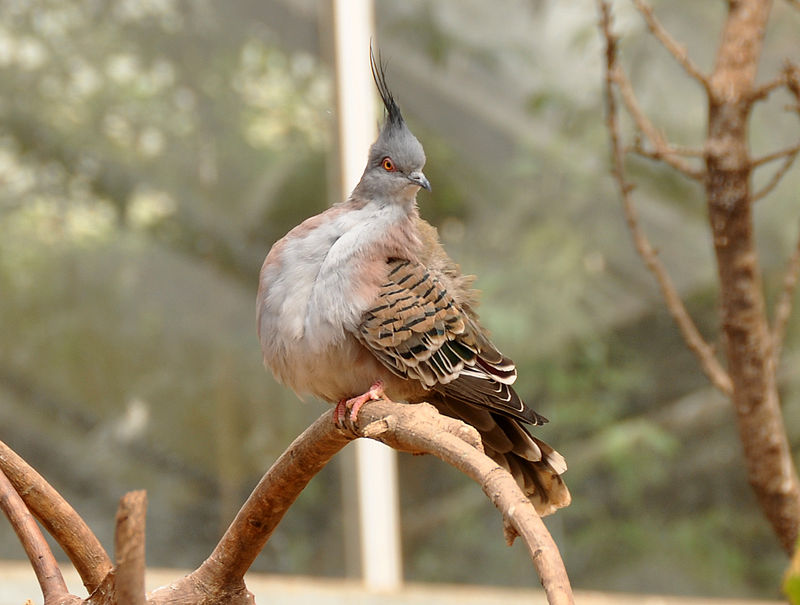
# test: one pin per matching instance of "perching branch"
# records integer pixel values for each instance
(54, 589)
(421, 429)
(223, 571)
(702, 350)
(220, 579)
(58, 518)
(412, 428)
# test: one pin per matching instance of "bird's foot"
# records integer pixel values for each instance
(354, 404)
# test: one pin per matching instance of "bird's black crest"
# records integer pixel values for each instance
(393, 114)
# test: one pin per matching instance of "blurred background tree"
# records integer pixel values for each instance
(151, 152)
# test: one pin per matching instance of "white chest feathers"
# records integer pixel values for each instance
(315, 284)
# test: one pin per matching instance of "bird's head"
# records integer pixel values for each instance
(396, 158)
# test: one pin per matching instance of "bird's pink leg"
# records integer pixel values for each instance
(354, 404)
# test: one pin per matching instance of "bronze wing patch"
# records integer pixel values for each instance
(418, 331)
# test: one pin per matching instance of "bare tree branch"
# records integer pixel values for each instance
(704, 352)
(220, 579)
(668, 42)
(783, 308)
(789, 155)
(668, 155)
(792, 73)
(129, 539)
(661, 149)
(54, 589)
(420, 428)
(265, 507)
(789, 152)
(748, 340)
(689, 152)
(762, 92)
(750, 380)
(58, 518)
(414, 428)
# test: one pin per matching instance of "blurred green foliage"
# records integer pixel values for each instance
(151, 152)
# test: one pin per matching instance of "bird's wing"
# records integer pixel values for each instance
(418, 331)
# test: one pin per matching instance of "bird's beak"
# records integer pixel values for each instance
(420, 179)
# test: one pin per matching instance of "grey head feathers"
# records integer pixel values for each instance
(394, 169)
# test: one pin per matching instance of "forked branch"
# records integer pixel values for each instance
(763, 91)
(413, 428)
(668, 42)
(661, 150)
(48, 574)
(750, 348)
(220, 579)
(702, 350)
(58, 518)
(789, 155)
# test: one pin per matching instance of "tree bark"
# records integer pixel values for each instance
(58, 518)
(748, 345)
(129, 539)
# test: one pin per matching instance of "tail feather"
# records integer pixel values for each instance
(535, 465)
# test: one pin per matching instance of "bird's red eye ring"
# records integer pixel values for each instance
(388, 164)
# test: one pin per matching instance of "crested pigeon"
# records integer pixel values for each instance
(362, 300)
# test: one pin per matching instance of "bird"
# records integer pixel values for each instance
(362, 301)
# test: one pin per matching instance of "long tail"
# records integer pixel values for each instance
(536, 467)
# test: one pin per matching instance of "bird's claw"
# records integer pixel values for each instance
(375, 393)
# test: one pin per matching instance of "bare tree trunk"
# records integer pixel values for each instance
(751, 348)
(751, 365)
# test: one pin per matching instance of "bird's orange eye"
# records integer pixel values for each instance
(388, 164)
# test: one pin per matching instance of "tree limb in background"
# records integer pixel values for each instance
(661, 149)
(668, 42)
(783, 308)
(668, 154)
(48, 574)
(790, 78)
(789, 155)
(763, 91)
(748, 341)
(750, 345)
(703, 351)
(58, 518)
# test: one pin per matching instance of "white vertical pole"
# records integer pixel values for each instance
(376, 464)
